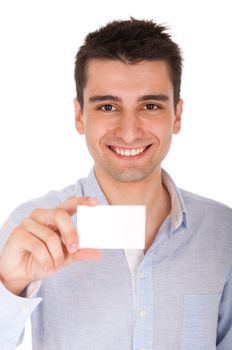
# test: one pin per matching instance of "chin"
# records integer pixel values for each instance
(130, 176)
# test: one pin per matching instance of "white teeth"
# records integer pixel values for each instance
(133, 152)
(128, 152)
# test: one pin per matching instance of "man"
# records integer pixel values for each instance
(177, 293)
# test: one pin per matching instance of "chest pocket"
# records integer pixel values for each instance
(200, 319)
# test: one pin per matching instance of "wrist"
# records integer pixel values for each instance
(16, 287)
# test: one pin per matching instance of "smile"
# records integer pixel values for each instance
(128, 152)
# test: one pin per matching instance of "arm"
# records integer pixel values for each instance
(37, 247)
(14, 312)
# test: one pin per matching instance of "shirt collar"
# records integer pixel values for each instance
(91, 188)
(178, 214)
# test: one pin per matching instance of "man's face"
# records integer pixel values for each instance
(128, 117)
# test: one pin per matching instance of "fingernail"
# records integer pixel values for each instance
(73, 248)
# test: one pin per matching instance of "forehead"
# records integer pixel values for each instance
(103, 75)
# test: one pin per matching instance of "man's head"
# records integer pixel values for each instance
(129, 41)
(128, 84)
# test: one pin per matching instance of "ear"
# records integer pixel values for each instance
(78, 117)
(178, 114)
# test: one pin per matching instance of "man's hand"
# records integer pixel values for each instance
(43, 243)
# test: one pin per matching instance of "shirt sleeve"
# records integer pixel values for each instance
(224, 338)
(14, 312)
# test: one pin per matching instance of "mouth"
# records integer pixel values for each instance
(129, 153)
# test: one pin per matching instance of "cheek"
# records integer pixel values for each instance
(93, 133)
(163, 130)
(165, 135)
(96, 131)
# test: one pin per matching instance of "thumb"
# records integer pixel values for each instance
(70, 205)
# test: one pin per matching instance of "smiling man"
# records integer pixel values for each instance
(177, 292)
(128, 119)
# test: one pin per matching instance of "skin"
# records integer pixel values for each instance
(138, 112)
(47, 240)
(41, 244)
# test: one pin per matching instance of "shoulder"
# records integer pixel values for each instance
(203, 209)
(197, 200)
(50, 200)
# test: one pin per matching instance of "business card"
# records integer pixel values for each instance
(111, 226)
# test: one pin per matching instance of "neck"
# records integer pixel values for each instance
(145, 192)
(149, 192)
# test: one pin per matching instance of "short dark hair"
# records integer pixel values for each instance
(129, 41)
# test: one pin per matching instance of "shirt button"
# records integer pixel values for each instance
(142, 313)
(141, 275)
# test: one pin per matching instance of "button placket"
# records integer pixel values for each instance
(143, 329)
(142, 313)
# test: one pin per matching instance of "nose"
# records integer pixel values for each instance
(129, 128)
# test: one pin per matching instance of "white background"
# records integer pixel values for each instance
(39, 147)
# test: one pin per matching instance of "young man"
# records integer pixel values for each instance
(177, 293)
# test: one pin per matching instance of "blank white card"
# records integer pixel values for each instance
(111, 226)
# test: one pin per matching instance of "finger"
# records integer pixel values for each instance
(49, 237)
(59, 218)
(36, 247)
(83, 254)
(70, 205)
(88, 254)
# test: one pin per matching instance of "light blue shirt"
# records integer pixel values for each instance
(176, 297)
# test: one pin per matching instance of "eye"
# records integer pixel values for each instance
(106, 108)
(151, 107)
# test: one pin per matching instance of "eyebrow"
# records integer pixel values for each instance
(160, 97)
(101, 98)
